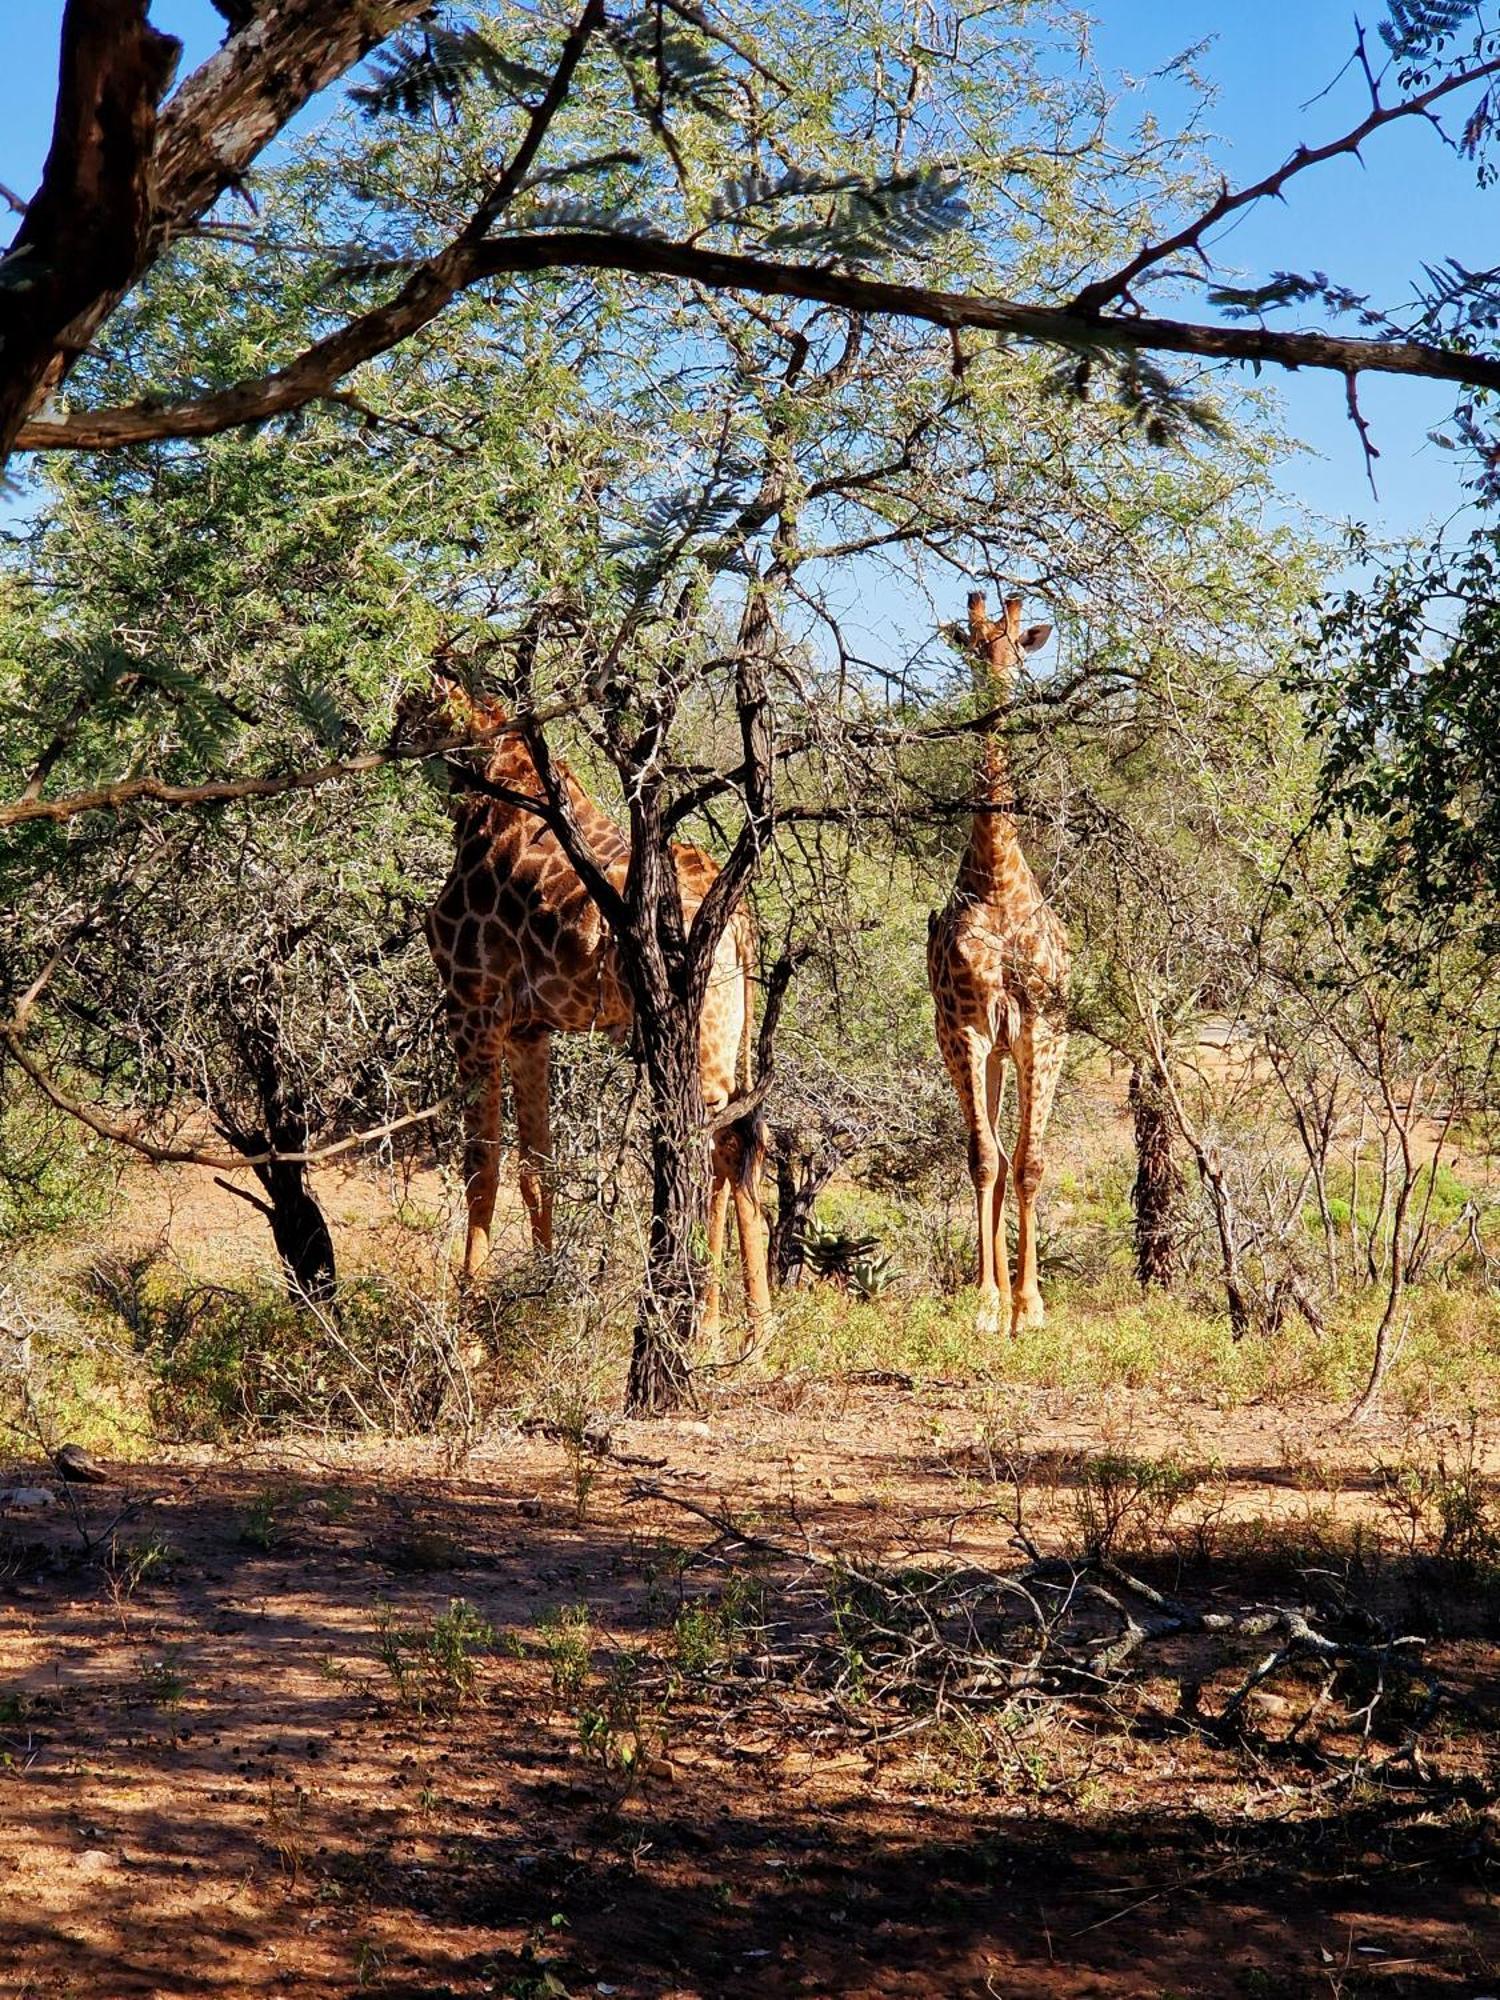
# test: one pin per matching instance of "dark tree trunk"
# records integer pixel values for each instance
(85, 232)
(299, 1228)
(1157, 1182)
(667, 1317)
(801, 1177)
(792, 1211)
(300, 1232)
(667, 966)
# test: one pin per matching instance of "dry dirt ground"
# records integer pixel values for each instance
(211, 1784)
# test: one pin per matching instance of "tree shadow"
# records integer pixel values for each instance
(284, 1821)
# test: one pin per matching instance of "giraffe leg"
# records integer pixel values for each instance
(737, 1177)
(1038, 1065)
(970, 1068)
(750, 1223)
(528, 1058)
(994, 1091)
(718, 1208)
(479, 1042)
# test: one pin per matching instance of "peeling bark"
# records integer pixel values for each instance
(1157, 1182)
(126, 176)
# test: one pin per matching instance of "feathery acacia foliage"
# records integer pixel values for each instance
(1419, 27)
(416, 74)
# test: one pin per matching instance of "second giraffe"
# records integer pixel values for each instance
(997, 961)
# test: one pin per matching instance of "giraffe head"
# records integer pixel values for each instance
(1001, 645)
(441, 709)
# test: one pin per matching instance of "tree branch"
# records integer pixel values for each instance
(316, 372)
(123, 181)
(85, 232)
(221, 791)
(1117, 285)
(202, 1156)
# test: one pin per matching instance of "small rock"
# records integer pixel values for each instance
(661, 1768)
(28, 1500)
(694, 1427)
(74, 1463)
(1272, 1707)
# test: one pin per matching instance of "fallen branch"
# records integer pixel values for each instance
(940, 1637)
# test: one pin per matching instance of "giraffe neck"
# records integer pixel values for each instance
(994, 850)
(516, 832)
(994, 843)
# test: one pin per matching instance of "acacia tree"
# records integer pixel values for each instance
(1403, 695)
(1401, 1016)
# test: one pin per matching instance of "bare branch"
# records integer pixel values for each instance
(223, 791)
(1117, 285)
(220, 791)
(202, 1156)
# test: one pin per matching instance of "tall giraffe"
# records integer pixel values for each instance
(523, 954)
(997, 961)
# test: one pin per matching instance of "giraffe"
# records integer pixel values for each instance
(523, 954)
(997, 962)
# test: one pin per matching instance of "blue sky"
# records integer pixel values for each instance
(1370, 226)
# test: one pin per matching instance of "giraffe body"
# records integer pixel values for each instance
(524, 954)
(997, 962)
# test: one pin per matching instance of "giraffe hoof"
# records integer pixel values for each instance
(987, 1313)
(1029, 1312)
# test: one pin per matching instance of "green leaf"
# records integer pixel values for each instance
(437, 66)
(903, 215)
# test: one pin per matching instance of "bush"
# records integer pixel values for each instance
(221, 1362)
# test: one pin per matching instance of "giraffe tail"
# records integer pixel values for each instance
(1005, 1019)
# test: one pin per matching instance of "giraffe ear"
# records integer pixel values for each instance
(1034, 636)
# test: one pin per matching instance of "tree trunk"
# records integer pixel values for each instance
(667, 1319)
(1222, 1204)
(85, 231)
(300, 1232)
(1157, 1183)
(801, 1176)
(793, 1205)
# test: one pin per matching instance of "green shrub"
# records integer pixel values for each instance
(52, 1177)
(432, 1662)
(223, 1362)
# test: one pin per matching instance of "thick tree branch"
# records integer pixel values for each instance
(227, 111)
(85, 232)
(318, 371)
(122, 181)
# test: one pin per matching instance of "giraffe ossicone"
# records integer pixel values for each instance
(997, 962)
(524, 953)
